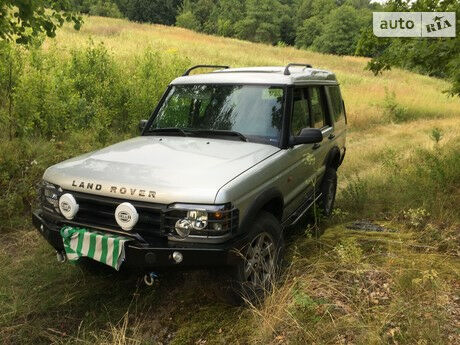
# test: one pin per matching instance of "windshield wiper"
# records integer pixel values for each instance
(169, 130)
(220, 132)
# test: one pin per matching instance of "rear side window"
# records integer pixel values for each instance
(338, 113)
(318, 107)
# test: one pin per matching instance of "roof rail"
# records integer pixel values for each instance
(286, 70)
(187, 72)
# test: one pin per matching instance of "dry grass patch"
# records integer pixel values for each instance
(345, 291)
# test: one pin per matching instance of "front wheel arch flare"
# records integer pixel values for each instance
(270, 201)
(333, 158)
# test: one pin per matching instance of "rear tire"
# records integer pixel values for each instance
(328, 191)
(258, 267)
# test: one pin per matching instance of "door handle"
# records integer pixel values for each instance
(316, 146)
(331, 136)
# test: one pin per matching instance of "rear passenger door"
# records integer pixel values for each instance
(337, 109)
(321, 119)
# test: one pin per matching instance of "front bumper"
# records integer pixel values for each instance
(157, 255)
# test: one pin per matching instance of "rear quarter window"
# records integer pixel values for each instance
(338, 112)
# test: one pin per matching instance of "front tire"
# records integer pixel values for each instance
(260, 259)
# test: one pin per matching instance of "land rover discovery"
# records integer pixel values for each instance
(227, 161)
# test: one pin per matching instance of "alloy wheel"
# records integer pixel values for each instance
(260, 261)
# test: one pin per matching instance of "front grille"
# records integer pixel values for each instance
(97, 211)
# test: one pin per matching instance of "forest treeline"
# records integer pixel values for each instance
(341, 27)
(329, 26)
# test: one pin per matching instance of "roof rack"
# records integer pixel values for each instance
(286, 70)
(187, 72)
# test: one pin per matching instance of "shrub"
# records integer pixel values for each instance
(393, 110)
(54, 106)
(416, 217)
(105, 8)
(153, 73)
(436, 135)
(349, 252)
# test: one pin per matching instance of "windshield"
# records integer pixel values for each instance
(251, 110)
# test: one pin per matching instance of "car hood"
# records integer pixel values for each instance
(159, 169)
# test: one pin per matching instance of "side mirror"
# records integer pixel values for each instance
(307, 136)
(142, 124)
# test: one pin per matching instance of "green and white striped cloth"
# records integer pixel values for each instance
(105, 248)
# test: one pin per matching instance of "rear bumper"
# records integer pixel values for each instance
(158, 255)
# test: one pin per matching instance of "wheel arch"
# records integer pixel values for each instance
(333, 158)
(271, 201)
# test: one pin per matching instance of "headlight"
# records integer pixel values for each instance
(195, 220)
(185, 220)
(50, 194)
(199, 219)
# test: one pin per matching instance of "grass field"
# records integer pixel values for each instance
(395, 286)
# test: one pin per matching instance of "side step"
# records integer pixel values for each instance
(300, 212)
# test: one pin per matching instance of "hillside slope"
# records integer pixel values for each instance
(363, 92)
(393, 284)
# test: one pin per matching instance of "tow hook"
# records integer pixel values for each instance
(150, 278)
(61, 257)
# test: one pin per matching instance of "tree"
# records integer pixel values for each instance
(262, 22)
(231, 10)
(105, 8)
(287, 29)
(202, 10)
(21, 21)
(310, 20)
(308, 32)
(435, 57)
(341, 31)
(323, 8)
(227, 13)
(303, 11)
(153, 11)
(188, 20)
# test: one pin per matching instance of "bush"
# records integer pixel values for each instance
(105, 8)
(348, 252)
(394, 111)
(53, 107)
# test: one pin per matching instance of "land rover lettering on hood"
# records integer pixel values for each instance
(226, 163)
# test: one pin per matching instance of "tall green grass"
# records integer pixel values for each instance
(426, 177)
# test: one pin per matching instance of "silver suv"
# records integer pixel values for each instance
(227, 161)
